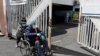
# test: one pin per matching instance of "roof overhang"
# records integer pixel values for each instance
(64, 2)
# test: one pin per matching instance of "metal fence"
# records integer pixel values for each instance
(89, 33)
(42, 21)
(16, 12)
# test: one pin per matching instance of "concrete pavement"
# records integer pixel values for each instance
(63, 43)
(7, 47)
(64, 40)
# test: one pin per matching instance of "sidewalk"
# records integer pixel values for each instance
(64, 41)
(63, 44)
(7, 47)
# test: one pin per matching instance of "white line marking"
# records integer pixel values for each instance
(56, 41)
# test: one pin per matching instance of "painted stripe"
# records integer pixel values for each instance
(56, 41)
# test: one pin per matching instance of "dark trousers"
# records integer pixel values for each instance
(19, 39)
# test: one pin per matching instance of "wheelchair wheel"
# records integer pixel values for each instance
(25, 48)
(39, 51)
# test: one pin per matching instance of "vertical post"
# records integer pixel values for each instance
(99, 41)
(46, 23)
(8, 14)
(78, 39)
(49, 27)
(43, 21)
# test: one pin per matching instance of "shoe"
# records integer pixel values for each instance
(16, 46)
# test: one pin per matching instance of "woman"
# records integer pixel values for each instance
(20, 30)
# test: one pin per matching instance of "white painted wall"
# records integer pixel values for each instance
(64, 2)
(90, 7)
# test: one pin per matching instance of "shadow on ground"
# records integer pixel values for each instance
(91, 51)
(60, 29)
(1, 36)
(64, 51)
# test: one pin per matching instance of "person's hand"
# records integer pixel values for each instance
(38, 34)
(24, 34)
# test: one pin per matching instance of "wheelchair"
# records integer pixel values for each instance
(40, 47)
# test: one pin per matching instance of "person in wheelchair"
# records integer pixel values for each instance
(32, 32)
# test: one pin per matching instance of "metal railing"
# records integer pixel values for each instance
(40, 15)
(42, 21)
(16, 12)
(89, 33)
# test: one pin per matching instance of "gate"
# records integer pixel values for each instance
(89, 25)
(89, 33)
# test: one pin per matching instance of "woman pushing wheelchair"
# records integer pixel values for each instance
(32, 34)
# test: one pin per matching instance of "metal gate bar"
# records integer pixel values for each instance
(16, 12)
(42, 22)
(89, 35)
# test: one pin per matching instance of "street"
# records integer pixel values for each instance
(63, 43)
(64, 40)
(7, 47)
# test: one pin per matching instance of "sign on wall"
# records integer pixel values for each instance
(18, 2)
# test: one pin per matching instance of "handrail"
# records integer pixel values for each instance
(39, 10)
(34, 9)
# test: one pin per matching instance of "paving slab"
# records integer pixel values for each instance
(65, 41)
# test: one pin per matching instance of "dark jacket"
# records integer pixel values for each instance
(21, 31)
